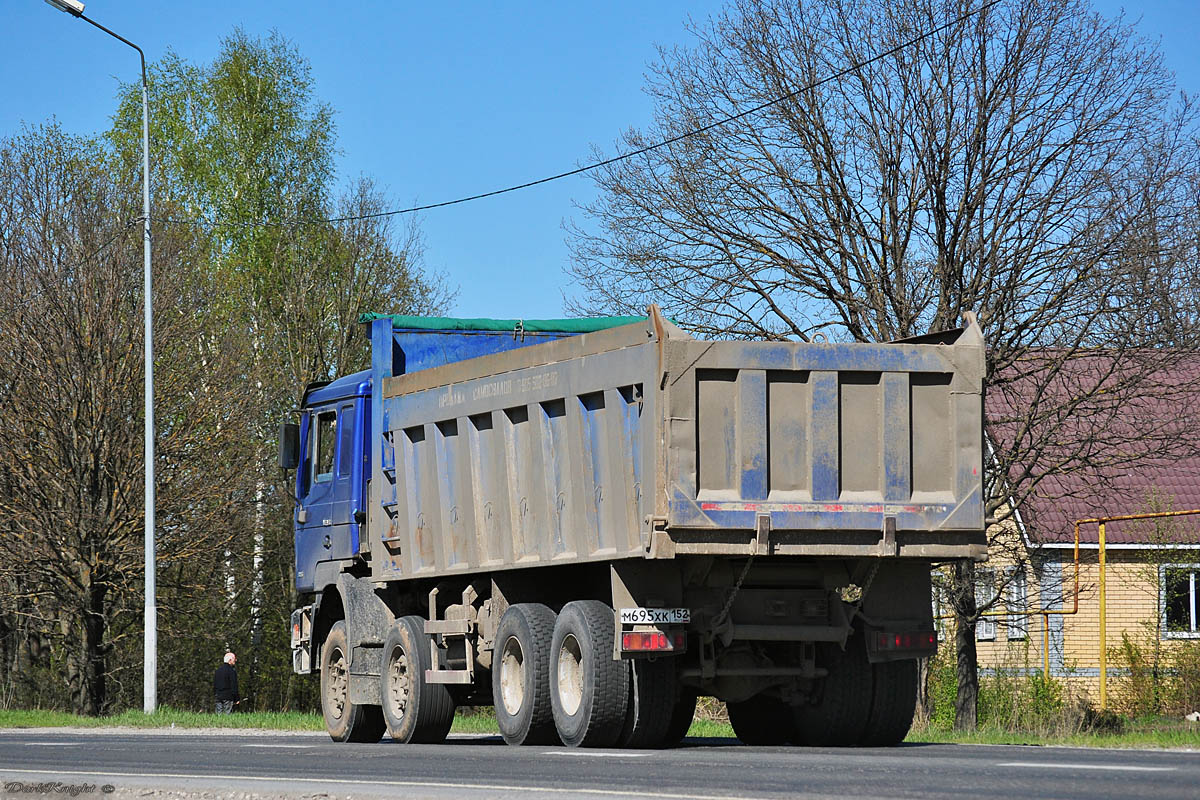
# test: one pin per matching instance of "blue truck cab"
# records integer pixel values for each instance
(331, 481)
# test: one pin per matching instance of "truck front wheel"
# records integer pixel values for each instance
(345, 721)
(521, 675)
(588, 687)
(415, 711)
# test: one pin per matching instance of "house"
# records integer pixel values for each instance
(1047, 601)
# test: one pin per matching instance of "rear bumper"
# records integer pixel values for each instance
(933, 545)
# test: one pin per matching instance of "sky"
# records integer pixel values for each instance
(435, 101)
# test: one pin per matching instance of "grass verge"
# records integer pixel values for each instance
(479, 722)
(164, 718)
(1149, 733)
(1143, 733)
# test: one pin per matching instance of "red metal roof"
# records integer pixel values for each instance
(1108, 441)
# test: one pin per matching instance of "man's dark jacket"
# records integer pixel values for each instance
(225, 683)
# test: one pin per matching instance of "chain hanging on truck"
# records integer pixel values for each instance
(721, 625)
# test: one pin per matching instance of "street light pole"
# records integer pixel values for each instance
(150, 652)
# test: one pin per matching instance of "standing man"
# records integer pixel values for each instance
(225, 685)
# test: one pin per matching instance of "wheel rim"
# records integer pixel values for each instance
(512, 676)
(570, 675)
(399, 682)
(336, 685)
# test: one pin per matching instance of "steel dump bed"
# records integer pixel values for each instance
(641, 442)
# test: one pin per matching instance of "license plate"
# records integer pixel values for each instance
(655, 616)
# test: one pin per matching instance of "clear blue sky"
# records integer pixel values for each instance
(434, 101)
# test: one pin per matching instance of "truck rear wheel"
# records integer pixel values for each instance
(345, 721)
(839, 716)
(652, 693)
(682, 714)
(893, 703)
(415, 711)
(762, 721)
(588, 687)
(521, 675)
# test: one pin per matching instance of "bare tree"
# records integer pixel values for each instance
(71, 535)
(1026, 160)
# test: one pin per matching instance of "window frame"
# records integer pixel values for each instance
(985, 627)
(1193, 571)
(345, 441)
(317, 442)
(1017, 604)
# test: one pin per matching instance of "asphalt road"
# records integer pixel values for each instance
(298, 765)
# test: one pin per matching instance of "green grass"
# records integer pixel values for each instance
(481, 721)
(164, 718)
(1145, 733)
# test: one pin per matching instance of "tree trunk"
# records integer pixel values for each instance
(924, 701)
(94, 689)
(967, 668)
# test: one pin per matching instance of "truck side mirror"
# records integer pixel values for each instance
(289, 445)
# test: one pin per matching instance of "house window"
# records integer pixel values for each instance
(1177, 583)
(942, 613)
(1016, 599)
(985, 594)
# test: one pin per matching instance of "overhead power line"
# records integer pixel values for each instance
(623, 156)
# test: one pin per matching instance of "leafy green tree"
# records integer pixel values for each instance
(244, 155)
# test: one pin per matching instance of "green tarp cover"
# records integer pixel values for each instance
(581, 325)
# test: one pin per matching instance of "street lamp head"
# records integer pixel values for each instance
(72, 7)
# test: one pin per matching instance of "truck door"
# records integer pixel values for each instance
(316, 504)
(342, 494)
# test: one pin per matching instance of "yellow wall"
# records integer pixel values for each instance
(1132, 607)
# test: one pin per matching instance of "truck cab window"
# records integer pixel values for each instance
(346, 459)
(324, 445)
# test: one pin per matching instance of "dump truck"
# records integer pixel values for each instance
(588, 524)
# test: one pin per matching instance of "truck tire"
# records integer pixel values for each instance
(838, 717)
(893, 703)
(682, 715)
(521, 675)
(416, 712)
(762, 721)
(652, 693)
(345, 721)
(589, 689)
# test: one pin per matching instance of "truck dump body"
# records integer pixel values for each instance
(639, 442)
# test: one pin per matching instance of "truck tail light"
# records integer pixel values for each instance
(905, 641)
(653, 642)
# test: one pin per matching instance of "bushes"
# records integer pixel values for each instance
(1157, 677)
(1140, 690)
(1011, 701)
(1184, 686)
(1016, 700)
